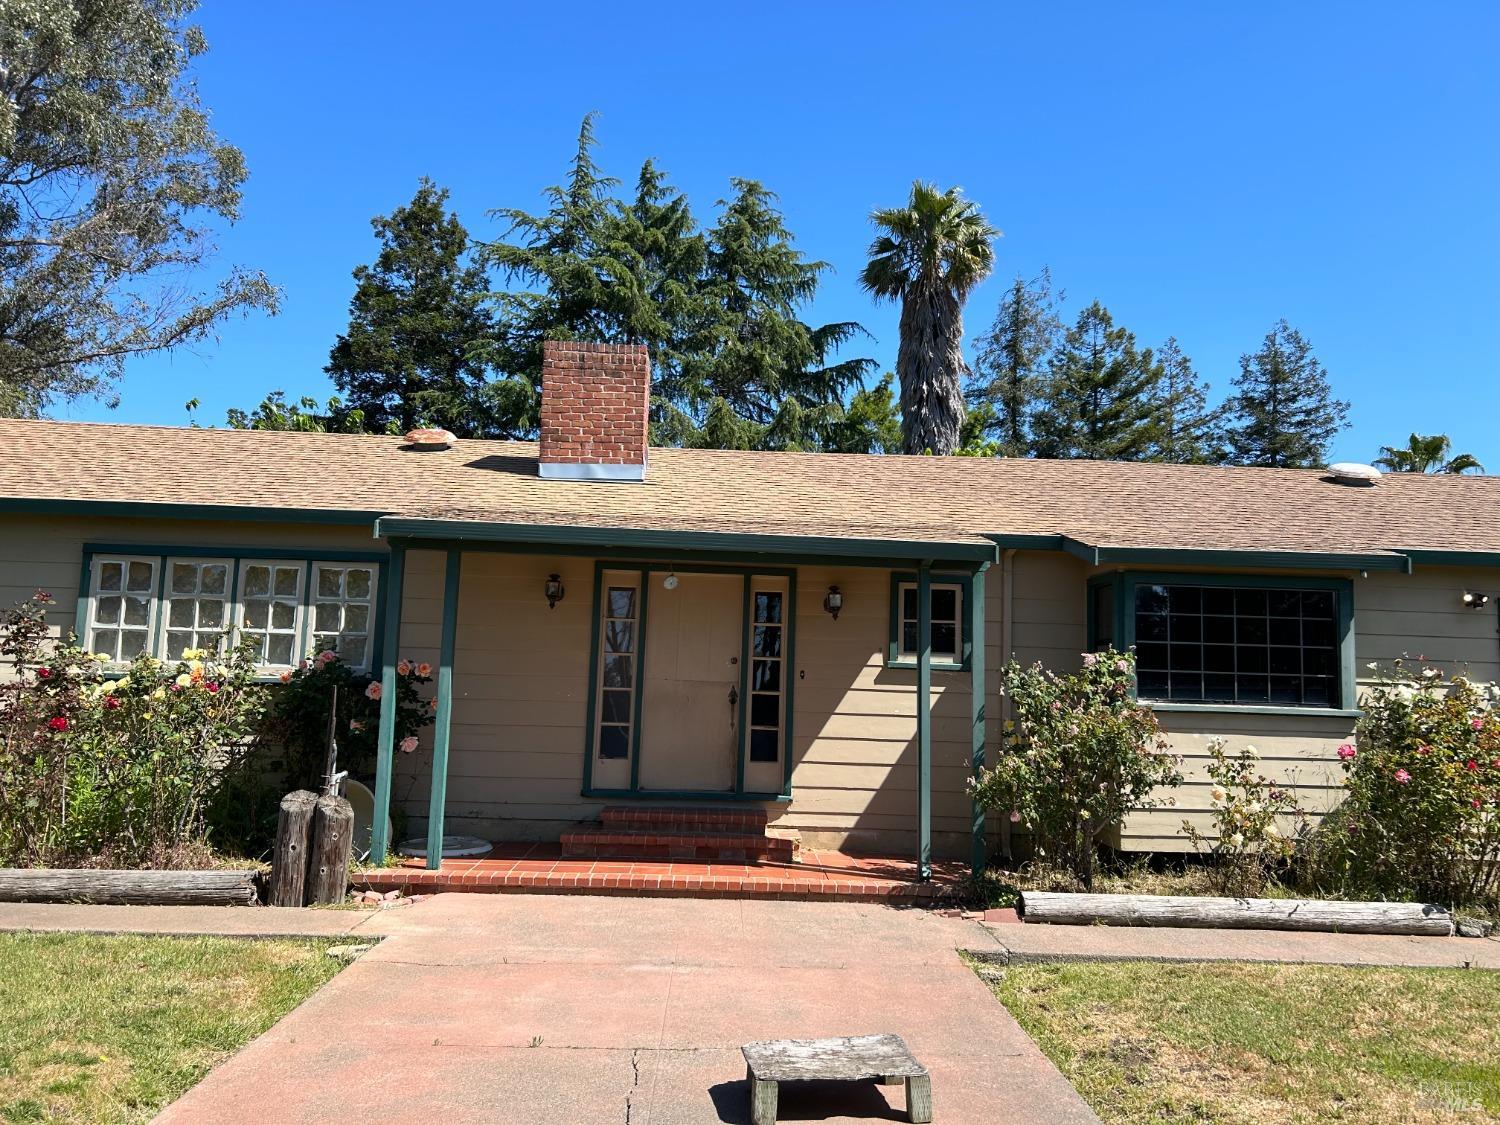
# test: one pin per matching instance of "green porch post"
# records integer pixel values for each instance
(380, 843)
(924, 721)
(439, 797)
(976, 710)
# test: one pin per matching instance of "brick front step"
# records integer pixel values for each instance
(658, 879)
(673, 842)
(685, 817)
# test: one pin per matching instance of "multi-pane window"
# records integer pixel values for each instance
(343, 608)
(947, 617)
(123, 607)
(271, 609)
(1223, 644)
(618, 670)
(767, 676)
(197, 606)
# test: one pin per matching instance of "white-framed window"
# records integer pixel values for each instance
(196, 609)
(619, 663)
(947, 621)
(343, 610)
(122, 606)
(270, 609)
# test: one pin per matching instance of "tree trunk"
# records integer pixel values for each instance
(289, 862)
(129, 888)
(1411, 918)
(332, 845)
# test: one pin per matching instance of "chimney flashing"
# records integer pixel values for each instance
(580, 470)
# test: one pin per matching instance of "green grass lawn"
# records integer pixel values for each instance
(110, 1029)
(1146, 1042)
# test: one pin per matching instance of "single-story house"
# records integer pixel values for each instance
(816, 635)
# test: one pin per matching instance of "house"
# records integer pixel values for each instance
(816, 635)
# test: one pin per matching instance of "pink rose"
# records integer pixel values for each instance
(373, 691)
(327, 656)
(1090, 659)
(1402, 776)
(213, 688)
(408, 744)
(424, 670)
(286, 677)
(1122, 665)
(404, 668)
(1346, 752)
(1015, 816)
(355, 724)
(1477, 724)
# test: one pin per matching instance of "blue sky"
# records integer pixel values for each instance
(1203, 169)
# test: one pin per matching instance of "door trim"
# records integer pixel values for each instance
(644, 570)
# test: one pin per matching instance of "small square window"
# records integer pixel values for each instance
(947, 610)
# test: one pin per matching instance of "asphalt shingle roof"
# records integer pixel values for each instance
(943, 499)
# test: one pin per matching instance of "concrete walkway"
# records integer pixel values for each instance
(575, 1010)
(1018, 943)
(208, 921)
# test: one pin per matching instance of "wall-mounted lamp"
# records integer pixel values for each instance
(1475, 601)
(554, 591)
(833, 602)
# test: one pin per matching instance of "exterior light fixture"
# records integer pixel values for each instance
(1476, 601)
(670, 581)
(554, 591)
(833, 602)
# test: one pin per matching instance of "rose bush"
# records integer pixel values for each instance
(1079, 753)
(114, 767)
(1422, 815)
(1256, 823)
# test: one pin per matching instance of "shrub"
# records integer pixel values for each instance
(298, 724)
(1256, 824)
(1078, 755)
(1422, 815)
(114, 768)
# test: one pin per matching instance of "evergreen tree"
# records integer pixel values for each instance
(1008, 368)
(1283, 413)
(1101, 399)
(1190, 431)
(303, 415)
(871, 423)
(417, 326)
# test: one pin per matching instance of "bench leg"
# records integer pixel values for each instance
(762, 1100)
(918, 1098)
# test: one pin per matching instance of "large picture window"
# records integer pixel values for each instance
(1237, 644)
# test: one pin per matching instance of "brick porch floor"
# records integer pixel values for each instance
(541, 868)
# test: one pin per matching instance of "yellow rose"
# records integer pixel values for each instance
(159, 693)
(183, 680)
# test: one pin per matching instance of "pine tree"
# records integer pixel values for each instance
(871, 423)
(1101, 397)
(1283, 413)
(1008, 368)
(1191, 431)
(417, 325)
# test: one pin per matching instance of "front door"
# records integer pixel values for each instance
(691, 709)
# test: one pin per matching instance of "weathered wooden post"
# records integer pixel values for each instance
(289, 861)
(332, 845)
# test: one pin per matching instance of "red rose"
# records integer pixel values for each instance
(44, 673)
(212, 688)
(110, 702)
(1471, 764)
(58, 723)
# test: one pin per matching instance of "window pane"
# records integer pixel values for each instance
(177, 644)
(351, 647)
(1185, 599)
(136, 611)
(1218, 600)
(184, 578)
(1218, 658)
(283, 615)
(617, 671)
(106, 641)
(107, 611)
(621, 601)
(944, 603)
(1317, 691)
(1186, 627)
(210, 614)
(356, 619)
(132, 644)
(765, 710)
(1250, 630)
(1252, 689)
(765, 745)
(1251, 659)
(614, 742)
(140, 577)
(257, 581)
(1151, 599)
(111, 574)
(1317, 603)
(1151, 656)
(768, 607)
(1252, 602)
(1151, 684)
(214, 579)
(909, 636)
(357, 584)
(1218, 687)
(909, 602)
(327, 616)
(619, 636)
(1151, 627)
(1285, 603)
(1285, 631)
(180, 615)
(767, 640)
(279, 649)
(944, 640)
(765, 675)
(1218, 630)
(1286, 689)
(616, 707)
(256, 614)
(1104, 615)
(330, 582)
(288, 579)
(1186, 658)
(1186, 686)
(1287, 661)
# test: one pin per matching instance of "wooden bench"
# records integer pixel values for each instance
(884, 1058)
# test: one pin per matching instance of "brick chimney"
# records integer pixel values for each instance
(595, 399)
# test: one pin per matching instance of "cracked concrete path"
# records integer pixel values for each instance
(568, 1010)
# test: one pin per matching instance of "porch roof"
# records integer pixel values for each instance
(1105, 511)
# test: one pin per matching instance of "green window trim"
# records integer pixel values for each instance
(309, 558)
(1125, 583)
(964, 580)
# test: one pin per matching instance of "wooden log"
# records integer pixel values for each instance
(289, 861)
(129, 888)
(332, 845)
(1408, 918)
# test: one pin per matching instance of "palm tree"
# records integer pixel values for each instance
(1427, 454)
(930, 254)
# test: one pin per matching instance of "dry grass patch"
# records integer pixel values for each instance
(1232, 1043)
(110, 1029)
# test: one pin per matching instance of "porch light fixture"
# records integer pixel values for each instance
(554, 591)
(833, 602)
(1476, 601)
